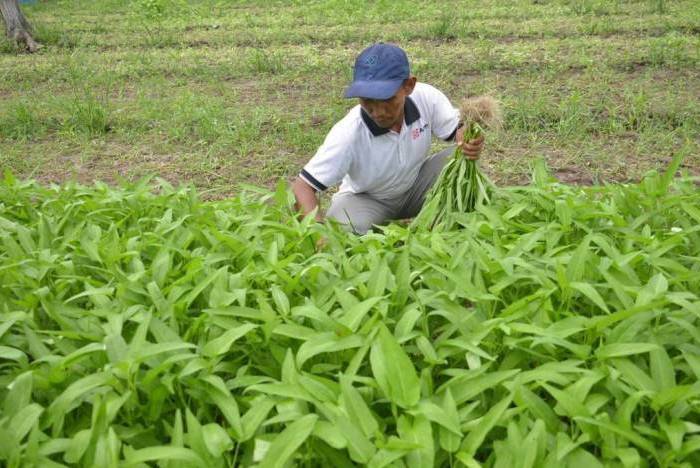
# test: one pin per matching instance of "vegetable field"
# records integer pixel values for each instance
(142, 326)
(146, 322)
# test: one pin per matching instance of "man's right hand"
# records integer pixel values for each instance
(472, 148)
(306, 199)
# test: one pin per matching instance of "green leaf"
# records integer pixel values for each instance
(526, 398)
(194, 437)
(407, 322)
(693, 361)
(72, 395)
(225, 401)
(393, 370)
(614, 350)
(657, 287)
(674, 165)
(24, 420)
(403, 278)
(150, 350)
(630, 435)
(378, 279)
(634, 375)
(161, 266)
(385, 457)
(580, 457)
(357, 408)
(330, 434)
(629, 457)
(662, 370)
(177, 434)
(12, 354)
(590, 292)
(89, 242)
(420, 432)
(568, 403)
(164, 452)
(20, 393)
(675, 395)
(466, 387)
(77, 446)
(352, 318)
(216, 439)
(476, 437)
(359, 446)
(675, 431)
(254, 417)
(450, 438)
(223, 343)
(438, 415)
(281, 300)
(288, 441)
(326, 343)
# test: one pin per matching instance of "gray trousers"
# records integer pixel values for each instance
(359, 211)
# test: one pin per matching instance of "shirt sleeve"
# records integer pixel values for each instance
(331, 162)
(444, 117)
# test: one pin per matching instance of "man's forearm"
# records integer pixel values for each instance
(306, 199)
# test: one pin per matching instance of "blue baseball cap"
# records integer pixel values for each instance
(379, 71)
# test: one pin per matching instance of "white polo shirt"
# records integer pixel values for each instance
(378, 161)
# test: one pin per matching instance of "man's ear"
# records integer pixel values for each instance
(409, 84)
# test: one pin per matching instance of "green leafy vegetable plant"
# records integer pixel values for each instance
(461, 184)
(143, 326)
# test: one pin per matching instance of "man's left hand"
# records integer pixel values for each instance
(472, 148)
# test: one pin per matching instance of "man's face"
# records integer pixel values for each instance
(388, 113)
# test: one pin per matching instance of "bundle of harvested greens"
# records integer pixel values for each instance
(461, 184)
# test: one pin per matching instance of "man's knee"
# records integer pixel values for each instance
(356, 224)
(355, 212)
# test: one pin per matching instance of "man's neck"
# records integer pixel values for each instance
(397, 126)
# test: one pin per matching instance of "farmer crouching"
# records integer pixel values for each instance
(380, 149)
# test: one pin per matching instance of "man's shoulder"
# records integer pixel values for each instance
(425, 89)
(346, 129)
(350, 122)
(425, 96)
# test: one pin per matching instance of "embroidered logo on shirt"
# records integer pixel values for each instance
(415, 134)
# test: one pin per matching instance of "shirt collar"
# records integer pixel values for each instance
(410, 115)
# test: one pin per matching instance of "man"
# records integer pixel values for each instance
(380, 149)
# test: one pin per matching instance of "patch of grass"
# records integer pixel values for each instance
(674, 51)
(88, 116)
(264, 61)
(243, 92)
(443, 28)
(56, 35)
(19, 122)
(7, 47)
(594, 7)
(573, 115)
(658, 6)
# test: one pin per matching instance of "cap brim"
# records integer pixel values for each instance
(373, 89)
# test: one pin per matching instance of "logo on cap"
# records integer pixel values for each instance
(371, 60)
